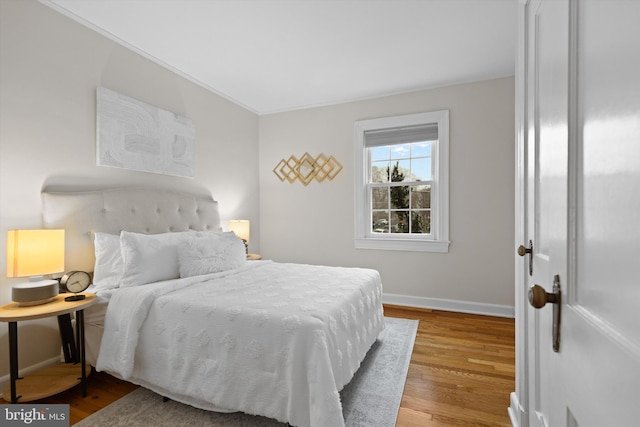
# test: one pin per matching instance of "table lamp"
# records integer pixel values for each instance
(34, 253)
(241, 228)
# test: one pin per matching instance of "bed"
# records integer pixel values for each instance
(183, 313)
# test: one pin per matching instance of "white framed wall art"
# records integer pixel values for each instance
(134, 135)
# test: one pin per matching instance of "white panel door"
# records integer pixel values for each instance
(547, 156)
(583, 210)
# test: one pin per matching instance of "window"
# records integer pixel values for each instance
(402, 182)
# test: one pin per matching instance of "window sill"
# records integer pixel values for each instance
(438, 246)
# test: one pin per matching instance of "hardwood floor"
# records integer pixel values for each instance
(461, 373)
(462, 370)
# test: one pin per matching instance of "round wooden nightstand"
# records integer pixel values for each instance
(253, 257)
(48, 381)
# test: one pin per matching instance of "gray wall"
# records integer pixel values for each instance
(315, 224)
(50, 67)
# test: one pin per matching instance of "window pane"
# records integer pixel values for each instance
(380, 153)
(400, 171)
(399, 197)
(400, 151)
(404, 167)
(421, 222)
(380, 197)
(380, 221)
(399, 222)
(380, 171)
(420, 196)
(421, 149)
(421, 169)
(400, 164)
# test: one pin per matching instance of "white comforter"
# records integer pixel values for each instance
(279, 340)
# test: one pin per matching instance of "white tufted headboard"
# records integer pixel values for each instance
(141, 210)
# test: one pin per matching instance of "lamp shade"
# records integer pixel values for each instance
(241, 227)
(34, 252)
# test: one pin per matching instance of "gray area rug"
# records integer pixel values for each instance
(371, 399)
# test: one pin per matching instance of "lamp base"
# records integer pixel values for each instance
(34, 293)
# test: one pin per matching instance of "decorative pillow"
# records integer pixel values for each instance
(107, 272)
(149, 258)
(211, 253)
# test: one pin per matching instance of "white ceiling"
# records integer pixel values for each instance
(278, 55)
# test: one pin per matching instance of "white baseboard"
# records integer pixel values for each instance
(6, 379)
(450, 305)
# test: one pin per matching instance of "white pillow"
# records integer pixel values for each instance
(150, 258)
(107, 273)
(211, 253)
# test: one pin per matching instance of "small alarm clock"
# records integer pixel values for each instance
(76, 282)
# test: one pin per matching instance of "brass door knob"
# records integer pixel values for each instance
(538, 297)
(522, 251)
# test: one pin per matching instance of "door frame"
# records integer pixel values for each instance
(519, 399)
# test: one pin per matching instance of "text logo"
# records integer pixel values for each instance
(35, 415)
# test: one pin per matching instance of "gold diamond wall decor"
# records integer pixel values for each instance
(307, 168)
(286, 169)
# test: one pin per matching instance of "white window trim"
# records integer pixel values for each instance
(439, 238)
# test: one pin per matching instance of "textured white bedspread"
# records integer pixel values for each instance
(272, 339)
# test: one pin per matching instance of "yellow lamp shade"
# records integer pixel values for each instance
(241, 228)
(34, 252)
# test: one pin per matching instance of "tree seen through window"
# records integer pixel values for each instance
(399, 208)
